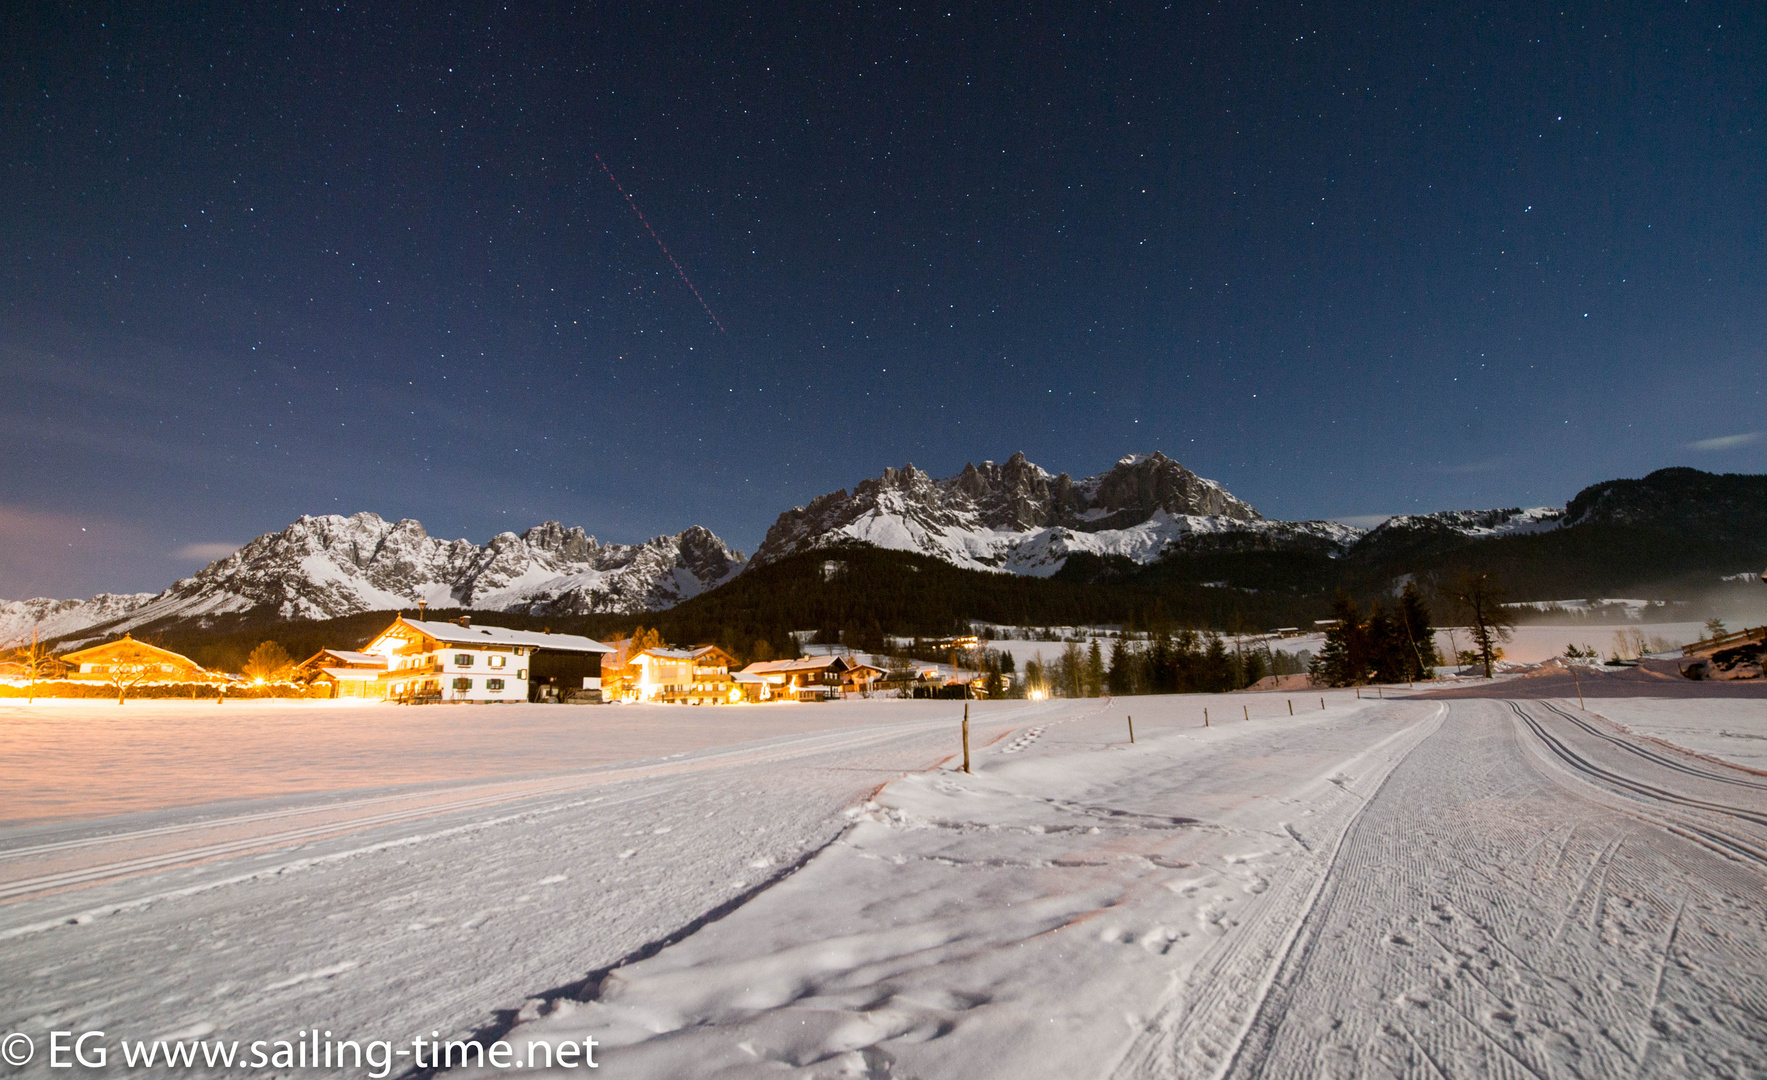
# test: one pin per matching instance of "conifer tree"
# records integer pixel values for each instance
(1217, 666)
(1120, 677)
(1162, 664)
(1094, 670)
(1251, 667)
(1413, 617)
(1343, 660)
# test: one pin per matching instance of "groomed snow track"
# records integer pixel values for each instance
(1537, 898)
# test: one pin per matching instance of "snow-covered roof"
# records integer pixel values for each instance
(455, 634)
(808, 663)
(746, 677)
(353, 674)
(349, 657)
(125, 646)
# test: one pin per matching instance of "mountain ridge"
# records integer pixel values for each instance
(328, 566)
(1016, 517)
(1141, 516)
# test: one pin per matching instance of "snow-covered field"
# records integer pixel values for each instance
(1400, 886)
(1730, 729)
(84, 758)
(1528, 644)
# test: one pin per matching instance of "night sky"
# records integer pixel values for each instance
(264, 260)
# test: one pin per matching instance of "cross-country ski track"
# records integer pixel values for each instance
(1404, 887)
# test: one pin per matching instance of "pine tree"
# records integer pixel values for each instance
(1072, 671)
(1162, 664)
(1388, 649)
(1217, 666)
(1413, 616)
(1343, 661)
(1094, 670)
(1121, 676)
(1251, 667)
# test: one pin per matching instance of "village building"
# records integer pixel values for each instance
(752, 688)
(135, 662)
(700, 676)
(344, 673)
(457, 661)
(811, 678)
(860, 678)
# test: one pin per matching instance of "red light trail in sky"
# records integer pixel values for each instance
(659, 243)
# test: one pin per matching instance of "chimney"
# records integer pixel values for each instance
(465, 622)
(422, 607)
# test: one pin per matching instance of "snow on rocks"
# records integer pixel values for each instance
(330, 565)
(1017, 518)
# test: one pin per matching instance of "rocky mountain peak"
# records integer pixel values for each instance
(988, 510)
(330, 565)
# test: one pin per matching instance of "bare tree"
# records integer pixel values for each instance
(1481, 604)
(32, 661)
(124, 673)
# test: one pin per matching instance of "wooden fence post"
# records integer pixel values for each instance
(1291, 706)
(1205, 718)
(1131, 730)
(966, 736)
(1248, 712)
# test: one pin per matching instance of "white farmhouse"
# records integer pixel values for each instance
(457, 661)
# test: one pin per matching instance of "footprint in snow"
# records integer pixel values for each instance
(627, 854)
(1188, 886)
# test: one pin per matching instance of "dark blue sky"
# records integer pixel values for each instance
(1349, 259)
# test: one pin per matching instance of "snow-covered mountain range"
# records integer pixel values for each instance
(51, 619)
(1019, 518)
(1477, 523)
(1011, 517)
(324, 567)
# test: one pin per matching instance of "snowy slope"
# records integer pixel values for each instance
(1017, 517)
(329, 566)
(53, 618)
(1480, 523)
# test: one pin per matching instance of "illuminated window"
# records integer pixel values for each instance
(494, 661)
